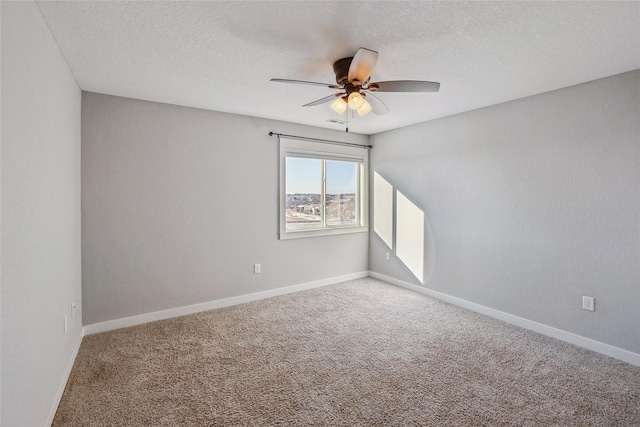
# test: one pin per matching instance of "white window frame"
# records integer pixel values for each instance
(307, 149)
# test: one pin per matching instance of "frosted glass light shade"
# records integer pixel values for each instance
(355, 100)
(366, 107)
(339, 106)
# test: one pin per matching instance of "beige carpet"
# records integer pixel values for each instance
(360, 353)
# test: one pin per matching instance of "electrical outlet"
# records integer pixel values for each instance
(65, 325)
(588, 303)
(387, 256)
(256, 269)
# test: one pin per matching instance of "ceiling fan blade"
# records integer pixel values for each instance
(324, 100)
(303, 82)
(404, 86)
(377, 106)
(362, 65)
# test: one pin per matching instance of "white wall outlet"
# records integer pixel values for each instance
(256, 269)
(73, 310)
(387, 256)
(588, 303)
(65, 325)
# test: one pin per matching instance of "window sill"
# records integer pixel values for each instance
(322, 232)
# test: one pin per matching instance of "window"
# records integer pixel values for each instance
(323, 189)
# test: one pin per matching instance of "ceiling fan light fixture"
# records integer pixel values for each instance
(355, 100)
(339, 105)
(353, 75)
(366, 107)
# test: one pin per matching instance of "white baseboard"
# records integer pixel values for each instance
(210, 305)
(597, 346)
(588, 343)
(63, 380)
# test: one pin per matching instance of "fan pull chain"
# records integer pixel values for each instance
(347, 122)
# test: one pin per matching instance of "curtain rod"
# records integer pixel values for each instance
(324, 141)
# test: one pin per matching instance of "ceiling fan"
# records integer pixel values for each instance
(355, 90)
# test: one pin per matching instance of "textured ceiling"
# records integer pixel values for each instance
(221, 55)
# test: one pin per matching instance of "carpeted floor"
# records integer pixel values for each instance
(360, 353)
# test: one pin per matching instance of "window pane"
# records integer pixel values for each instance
(304, 193)
(341, 198)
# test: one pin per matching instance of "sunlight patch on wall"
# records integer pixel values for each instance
(410, 235)
(383, 209)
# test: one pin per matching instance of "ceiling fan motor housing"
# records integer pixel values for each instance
(341, 68)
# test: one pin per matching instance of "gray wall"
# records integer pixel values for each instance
(40, 244)
(532, 204)
(179, 203)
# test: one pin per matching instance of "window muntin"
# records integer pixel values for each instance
(322, 189)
